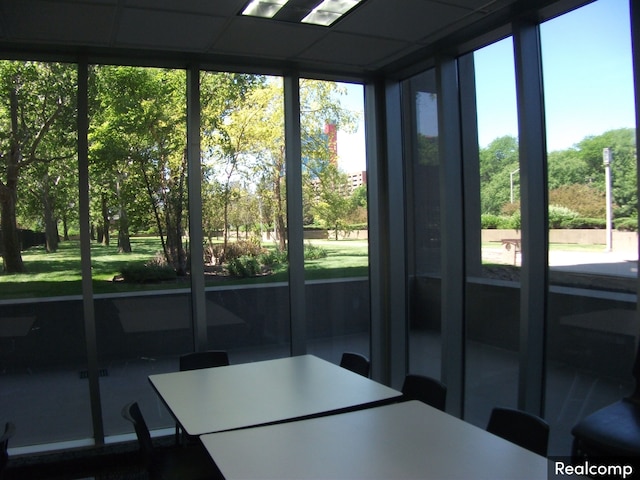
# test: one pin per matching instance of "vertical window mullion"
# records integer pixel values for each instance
(534, 205)
(194, 181)
(452, 233)
(85, 252)
(295, 240)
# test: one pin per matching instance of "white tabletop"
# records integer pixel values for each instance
(224, 398)
(407, 440)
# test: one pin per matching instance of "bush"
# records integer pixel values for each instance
(490, 221)
(560, 216)
(581, 222)
(274, 257)
(585, 200)
(147, 273)
(216, 254)
(244, 266)
(314, 252)
(626, 224)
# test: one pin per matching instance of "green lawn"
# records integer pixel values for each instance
(59, 273)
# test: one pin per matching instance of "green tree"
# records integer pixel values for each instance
(497, 162)
(36, 114)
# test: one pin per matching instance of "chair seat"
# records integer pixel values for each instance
(612, 430)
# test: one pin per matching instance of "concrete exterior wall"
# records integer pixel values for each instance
(621, 241)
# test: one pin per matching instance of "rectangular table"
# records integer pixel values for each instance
(406, 440)
(244, 395)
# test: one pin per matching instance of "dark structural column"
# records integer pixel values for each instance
(534, 211)
(452, 233)
(295, 240)
(85, 252)
(194, 182)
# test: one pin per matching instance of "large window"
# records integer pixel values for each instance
(244, 215)
(592, 328)
(493, 286)
(335, 218)
(138, 218)
(41, 339)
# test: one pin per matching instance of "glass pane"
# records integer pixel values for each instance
(423, 223)
(42, 350)
(592, 325)
(335, 218)
(244, 215)
(139, 218)
(493, 288)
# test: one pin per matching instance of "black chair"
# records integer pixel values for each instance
(356, 363)
(426, 389)
(179, 462)
(9, 430)
(207, 359)
(614, 430)
(199, 360)
(519, 427)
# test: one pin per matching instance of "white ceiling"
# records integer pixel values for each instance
(374, 35)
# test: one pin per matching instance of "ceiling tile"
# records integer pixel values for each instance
(160, 29)
(209, 7)
(346, 49)
(255, 36)
(407, 20)
(57, 22)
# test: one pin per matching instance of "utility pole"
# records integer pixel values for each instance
(606, 158)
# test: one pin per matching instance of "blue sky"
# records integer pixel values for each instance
(587, 75)
(588, 81)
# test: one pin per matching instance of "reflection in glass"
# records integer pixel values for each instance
(423, 224)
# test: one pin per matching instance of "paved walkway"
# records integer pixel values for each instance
(624, 264)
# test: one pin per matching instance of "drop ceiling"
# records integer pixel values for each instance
(377, 34)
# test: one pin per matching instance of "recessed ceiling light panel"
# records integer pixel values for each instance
(328, 11)
(263, 8)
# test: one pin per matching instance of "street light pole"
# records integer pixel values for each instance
(606, 158)
(511, 181)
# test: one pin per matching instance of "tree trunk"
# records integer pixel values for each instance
(50, 224)
(65, 228)
(124, 242)
(8, 196)
(105, 219)
(281, 228)
(10, 238)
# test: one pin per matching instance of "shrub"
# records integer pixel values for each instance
(584, 200)
(626, 224)
(559, 215)
(314, 252)
(147, 273)
(274, 257)
(244, 266)
(490, 221)
(216, 254)
(581, 222)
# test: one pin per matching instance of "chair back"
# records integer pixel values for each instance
(207, 359)
(426, 389)
(9, 430)
(356, 362)
(131, 412)
(519, 427)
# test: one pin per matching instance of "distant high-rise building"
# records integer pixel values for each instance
(331, 131)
